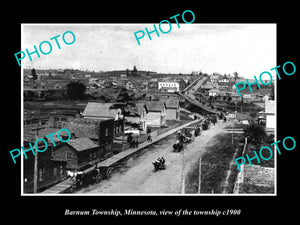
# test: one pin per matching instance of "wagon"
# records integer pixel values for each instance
(90, 174)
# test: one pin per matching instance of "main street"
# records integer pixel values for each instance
(136, 175)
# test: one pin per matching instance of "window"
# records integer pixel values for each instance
(41, 174)
(107, 147)
(93, 155)
(106, 131)
(61, 171)
(68, 155)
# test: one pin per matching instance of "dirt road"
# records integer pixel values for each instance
(136, 175)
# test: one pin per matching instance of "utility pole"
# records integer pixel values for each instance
(199, 181)
(35, 169)
(183, 175)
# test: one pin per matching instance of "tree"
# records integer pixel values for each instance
(75, 90)
(134, 71)
(236, 75)
(124, 96)
(255, 133)
(33, 74)
(272, 95)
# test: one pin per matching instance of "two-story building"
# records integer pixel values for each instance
(168, 86)
(101, 131)
(104, 111)
(49, 170)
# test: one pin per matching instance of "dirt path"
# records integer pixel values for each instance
(136, 175)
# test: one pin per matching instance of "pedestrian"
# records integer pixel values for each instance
(136, 142)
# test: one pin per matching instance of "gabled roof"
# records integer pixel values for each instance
(171, 103)
(139, 107)
(82, 144)
(214, 90)
(98, 109)
(155, 106)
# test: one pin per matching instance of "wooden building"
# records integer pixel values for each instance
(137, 116)
(101, 131)
(172, 109)
(77, 153)
(156, 116)
(50, 171)
(104, 111)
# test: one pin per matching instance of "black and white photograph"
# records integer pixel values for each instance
(163, 117)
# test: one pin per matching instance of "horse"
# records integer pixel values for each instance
(76, 177)
(197, 131)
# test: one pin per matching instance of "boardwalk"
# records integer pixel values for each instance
(62, 186)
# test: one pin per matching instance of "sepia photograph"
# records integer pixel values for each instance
(130, 109)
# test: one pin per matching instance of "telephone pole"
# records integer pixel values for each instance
(199, 181)
(182, 174)
(35, 170)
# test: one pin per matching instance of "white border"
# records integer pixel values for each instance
(108, 194)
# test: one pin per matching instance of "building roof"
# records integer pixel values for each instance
(98, 109)
(139, 107)
(82, 127)
(208, 85)
(30, 135)
(154, 105)
(82, 144)
(131, 119)
(171, 103)
(214, 91)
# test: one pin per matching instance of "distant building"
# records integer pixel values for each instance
(214, 78)
(213, 92)
(247, 98)
(207, 86)
(169, 86)
(223, 81)
(129, 85)
(270, 115)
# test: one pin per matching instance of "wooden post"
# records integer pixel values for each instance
(199, 179)
(35, 169)
(183, 175)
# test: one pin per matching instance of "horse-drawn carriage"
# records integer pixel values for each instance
(88, 175)
(159, 164)
(182, 138)
(213, 119)
(205, 124)
(178, 146)
(197, 131)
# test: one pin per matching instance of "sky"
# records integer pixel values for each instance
(248, 49)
